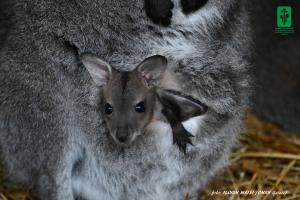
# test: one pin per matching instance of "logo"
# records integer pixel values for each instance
(284, 20)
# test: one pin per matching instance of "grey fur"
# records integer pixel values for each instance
(52, 136)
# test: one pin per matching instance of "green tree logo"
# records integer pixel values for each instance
(284, 16)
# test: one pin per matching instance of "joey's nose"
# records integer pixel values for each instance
(122, 137)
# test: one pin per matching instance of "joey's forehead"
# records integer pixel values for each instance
(125, 89)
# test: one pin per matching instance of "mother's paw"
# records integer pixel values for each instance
(159, 11)
(189, 6)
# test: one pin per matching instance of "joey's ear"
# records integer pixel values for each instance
(152, 69)
(185, 107)
(99, 70)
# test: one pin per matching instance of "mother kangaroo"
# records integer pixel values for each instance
(52, 135)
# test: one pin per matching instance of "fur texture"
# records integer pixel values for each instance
(52, 135)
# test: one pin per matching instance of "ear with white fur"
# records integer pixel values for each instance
(152, 69)
(99, 70)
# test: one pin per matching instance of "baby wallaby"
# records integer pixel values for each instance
(129, 99)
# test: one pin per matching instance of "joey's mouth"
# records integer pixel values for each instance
(123, 144)
(125, 141)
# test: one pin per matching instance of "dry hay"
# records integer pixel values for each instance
(267, 160)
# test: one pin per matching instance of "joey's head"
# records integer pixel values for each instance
(127, 98)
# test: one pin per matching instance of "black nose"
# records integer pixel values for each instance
(122, 137)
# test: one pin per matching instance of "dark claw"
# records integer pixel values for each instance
(181, 138)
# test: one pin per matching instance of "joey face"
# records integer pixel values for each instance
(127, 106)
(128, 98)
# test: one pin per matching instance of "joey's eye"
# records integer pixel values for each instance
(108, 109)
(140, 107)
